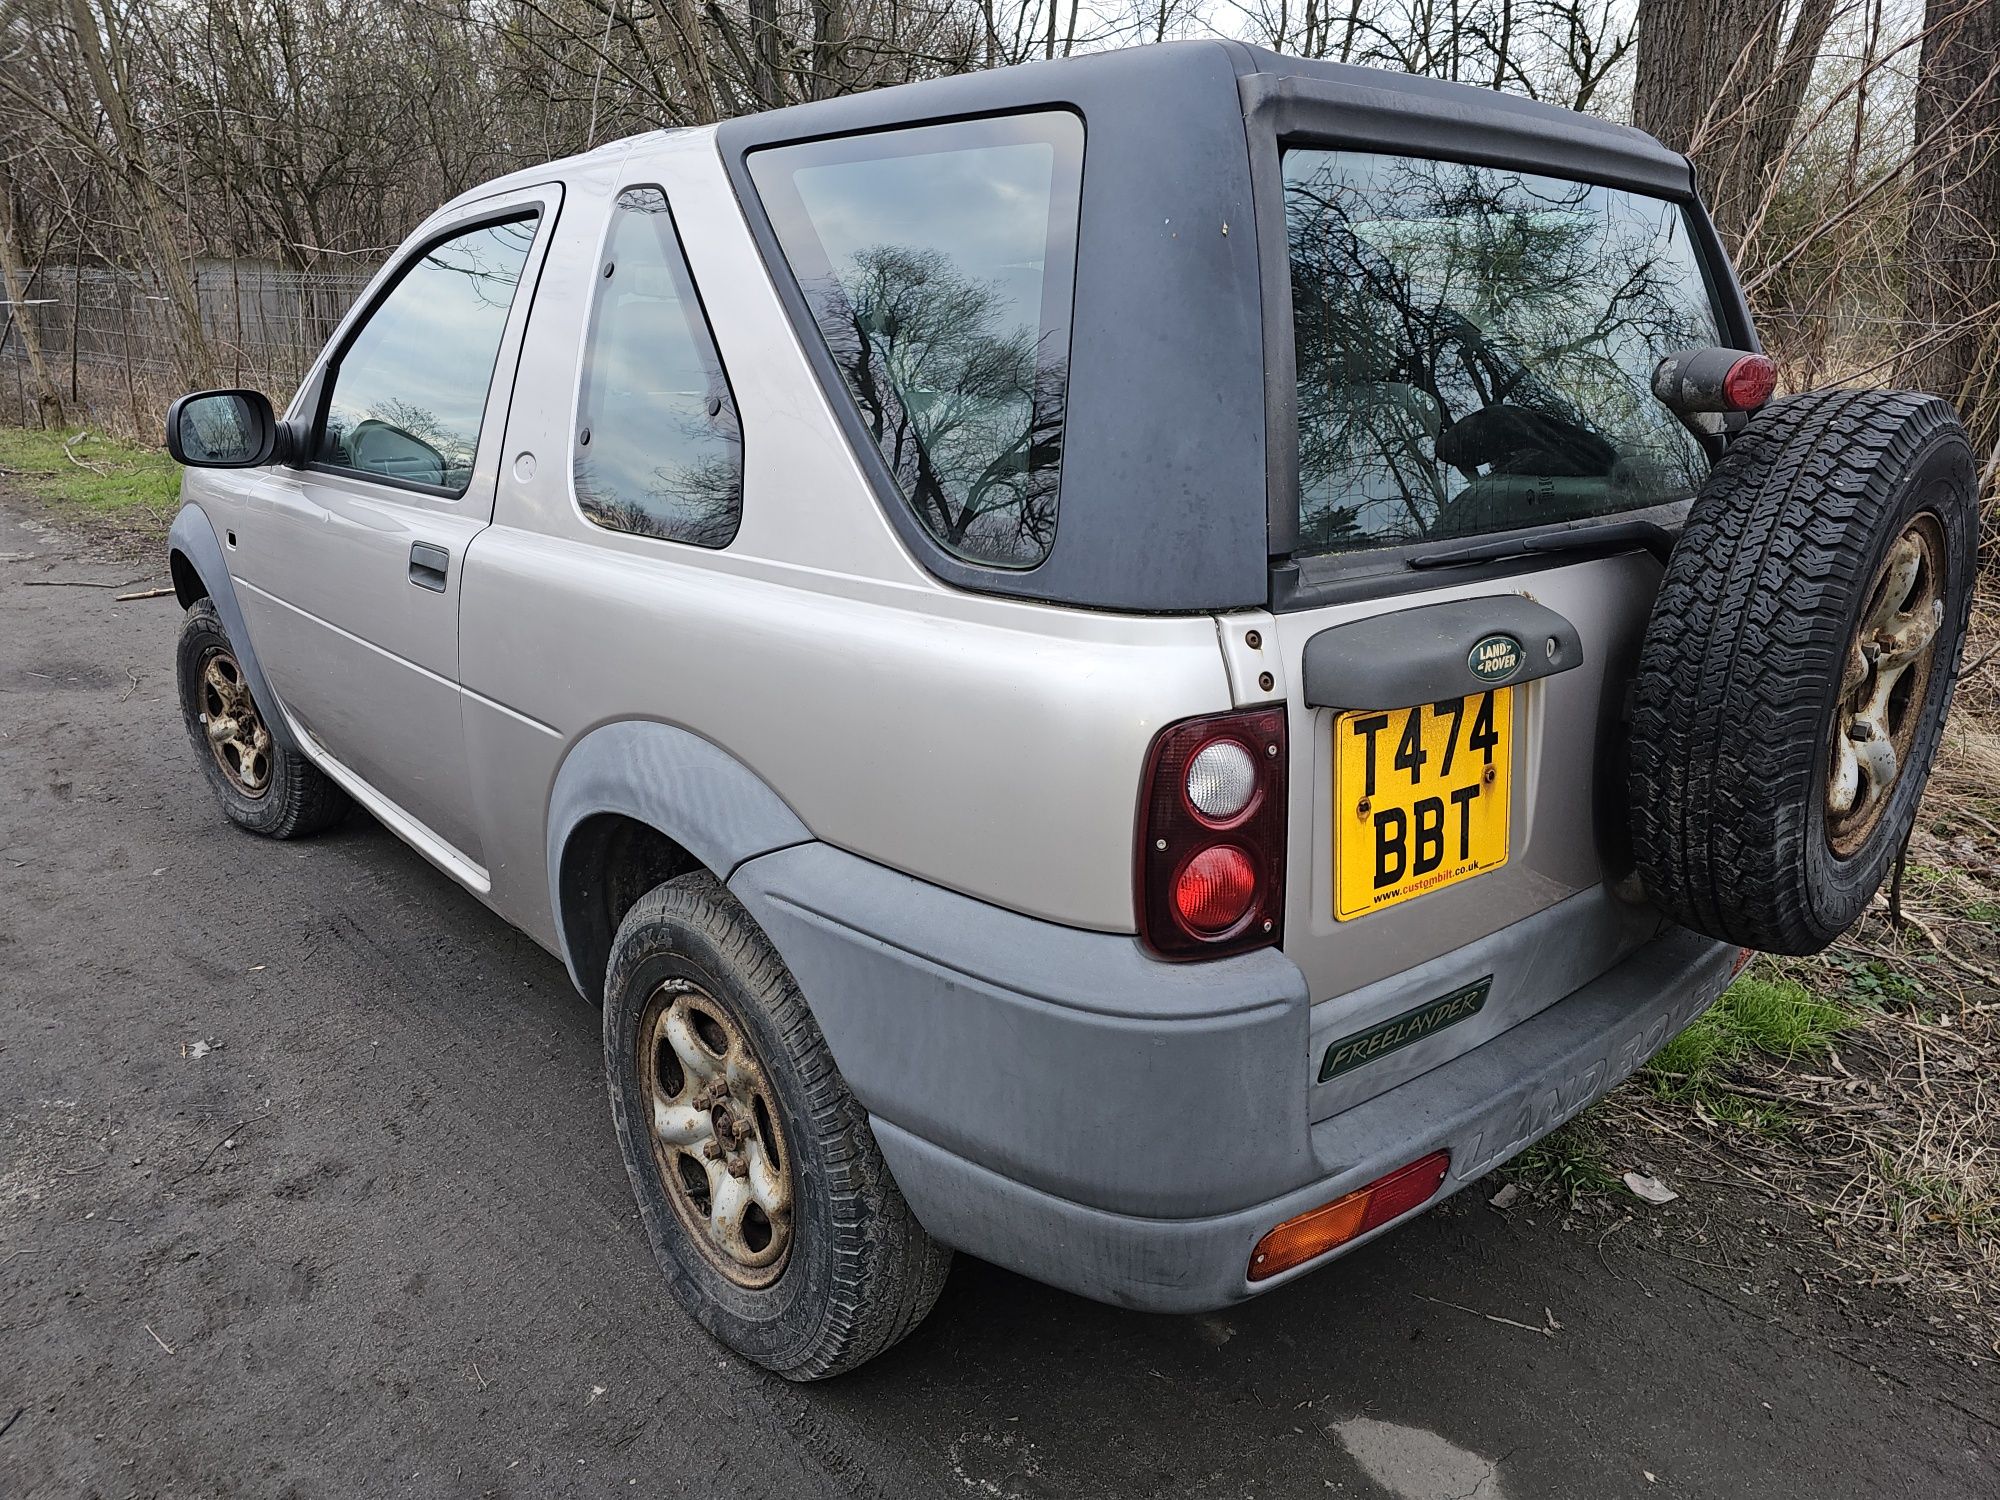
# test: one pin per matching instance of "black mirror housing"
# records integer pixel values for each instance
(232, 429)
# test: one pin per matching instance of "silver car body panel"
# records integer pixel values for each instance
(985, 744)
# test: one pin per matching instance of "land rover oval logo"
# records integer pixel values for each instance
(1495, 659)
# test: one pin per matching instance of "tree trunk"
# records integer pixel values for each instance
(16, 281)
(1670, 50)
(681, 23)
(764, 53)
(829, 43)
(1725, 82)
(1954, 244)
(101, 46)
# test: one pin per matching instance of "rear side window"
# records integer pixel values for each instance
(1476, 347)
(658, 449)
(410, 390)
(939, 263)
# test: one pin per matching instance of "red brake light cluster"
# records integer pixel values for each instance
(1210, 866)
(1749, 383)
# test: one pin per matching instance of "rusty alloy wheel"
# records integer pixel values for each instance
(236, 734)
(713, 1119)
(1883, 684)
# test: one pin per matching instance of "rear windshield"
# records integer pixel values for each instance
(1476, 346)
(938, 263)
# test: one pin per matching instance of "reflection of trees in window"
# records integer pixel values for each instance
(488, 264)
(691, 499)
(665, 454)
(410, 391)
(964, 407)
(1475, 348)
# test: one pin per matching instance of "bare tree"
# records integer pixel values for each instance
(1954, 244)
(17, 281)
(1724, 81)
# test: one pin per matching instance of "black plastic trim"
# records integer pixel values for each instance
(1315, 581)
(1423, 655)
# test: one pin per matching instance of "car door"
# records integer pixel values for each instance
(352, 562)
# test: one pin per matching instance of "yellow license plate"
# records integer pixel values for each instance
(1420, 798)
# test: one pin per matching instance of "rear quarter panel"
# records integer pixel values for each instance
(987, 745)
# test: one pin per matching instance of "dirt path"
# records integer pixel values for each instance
(375, 1239)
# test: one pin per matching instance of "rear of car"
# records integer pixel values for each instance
(1366, 380)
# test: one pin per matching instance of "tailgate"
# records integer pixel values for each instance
(1467, 413)
(1463, 887)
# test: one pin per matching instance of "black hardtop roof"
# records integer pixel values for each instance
(1426, 116)
(1179, 482)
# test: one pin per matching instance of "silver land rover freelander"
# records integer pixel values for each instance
(1136, 666)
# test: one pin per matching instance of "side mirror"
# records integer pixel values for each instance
(224, 430)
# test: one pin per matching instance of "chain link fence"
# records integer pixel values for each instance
(107, 343)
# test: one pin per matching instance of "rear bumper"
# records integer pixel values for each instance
(1058, 1103)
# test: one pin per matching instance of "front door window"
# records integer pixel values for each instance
(410, 388)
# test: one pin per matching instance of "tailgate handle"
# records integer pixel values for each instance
(1438, 651)
(427, 566)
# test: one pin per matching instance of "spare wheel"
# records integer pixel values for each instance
(1801, 655)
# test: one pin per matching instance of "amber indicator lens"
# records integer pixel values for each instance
(1332, 1225)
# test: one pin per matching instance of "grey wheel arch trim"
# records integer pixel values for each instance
(672, 780)
(191, 543)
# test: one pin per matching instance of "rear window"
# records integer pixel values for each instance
(1475, 348)
(938, 263)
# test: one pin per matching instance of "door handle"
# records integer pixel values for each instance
(427, 566)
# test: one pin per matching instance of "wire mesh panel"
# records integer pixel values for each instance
(112, 349)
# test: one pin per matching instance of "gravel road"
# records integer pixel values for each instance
(307, 1187)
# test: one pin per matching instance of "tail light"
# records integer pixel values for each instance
(1210, 866)
(1749, 383)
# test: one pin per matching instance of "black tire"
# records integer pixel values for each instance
(1739, 693)
(285, 799)
(859, 1273)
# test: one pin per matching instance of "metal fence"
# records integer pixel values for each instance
(108, 345)
(107, 339)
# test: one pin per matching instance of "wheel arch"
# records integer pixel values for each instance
(637, 802)
(201, 572)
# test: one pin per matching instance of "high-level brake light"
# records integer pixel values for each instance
(1694, 382)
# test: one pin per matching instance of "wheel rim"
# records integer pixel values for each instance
(717, 1144)
(1885, 680)
(235, 731)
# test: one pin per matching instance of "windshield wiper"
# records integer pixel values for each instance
(1615, 536)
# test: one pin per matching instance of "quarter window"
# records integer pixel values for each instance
(410, 389)
(938, 263)
(658, 449)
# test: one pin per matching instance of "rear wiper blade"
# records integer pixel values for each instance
(1615, 536)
